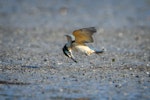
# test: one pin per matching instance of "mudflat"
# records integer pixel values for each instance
(33, 66)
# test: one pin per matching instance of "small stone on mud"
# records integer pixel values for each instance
(45, 59)
(120, 34)
(64, 78)
(130, 68)
(118, 85)
(137, 38)
(137, 76)
(147, 73)
(113, 60)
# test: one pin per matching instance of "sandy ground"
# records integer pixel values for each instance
(33, 66)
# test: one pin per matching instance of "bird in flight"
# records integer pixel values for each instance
(76, 42)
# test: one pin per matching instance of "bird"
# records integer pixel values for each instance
(77, 42)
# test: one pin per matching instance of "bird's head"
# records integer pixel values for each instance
(68, 53)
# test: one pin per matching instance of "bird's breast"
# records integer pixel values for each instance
(83, 49)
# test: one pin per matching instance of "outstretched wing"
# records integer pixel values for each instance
(84, 35)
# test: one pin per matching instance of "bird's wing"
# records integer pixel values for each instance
(69, 38)
(84, 35)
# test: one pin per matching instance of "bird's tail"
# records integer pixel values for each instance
(99, 51)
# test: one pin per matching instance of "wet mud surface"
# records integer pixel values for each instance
(33, 66)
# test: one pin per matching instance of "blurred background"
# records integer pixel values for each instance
(62, 14)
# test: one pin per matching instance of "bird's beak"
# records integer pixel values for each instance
(73, 59)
